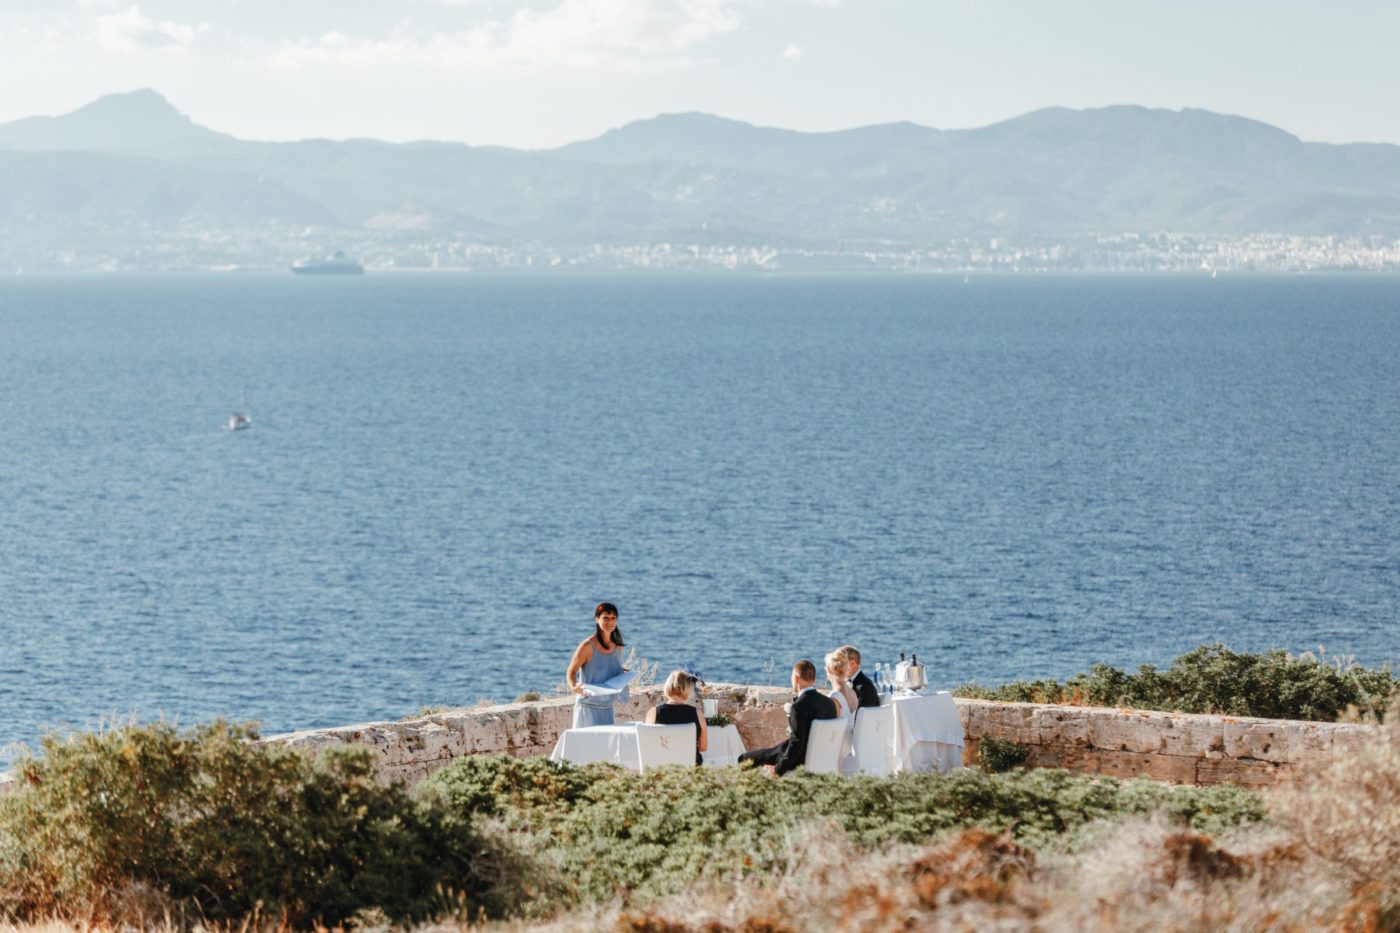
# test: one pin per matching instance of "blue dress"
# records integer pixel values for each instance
(598, 711)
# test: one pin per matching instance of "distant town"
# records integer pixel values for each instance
(268, 248)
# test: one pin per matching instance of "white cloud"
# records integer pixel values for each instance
(583, 35)
(793, 53)
(131, 29)
(22, 35)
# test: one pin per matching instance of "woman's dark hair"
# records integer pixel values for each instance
(609, 608)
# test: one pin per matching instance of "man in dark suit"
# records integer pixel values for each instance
(862, 685)
(806, 708)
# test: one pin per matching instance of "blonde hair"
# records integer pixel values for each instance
(836, 664)
(680, 685)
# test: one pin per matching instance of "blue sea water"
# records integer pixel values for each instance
(1014, 477)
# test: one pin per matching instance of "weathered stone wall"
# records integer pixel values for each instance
(414, 748)
(1175, 747)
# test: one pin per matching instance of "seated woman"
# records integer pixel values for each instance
(838, 663)
(680, 711)
(838, 666)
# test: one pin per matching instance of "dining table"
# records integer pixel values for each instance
(928, 733)
(725, 746)
(617, 745)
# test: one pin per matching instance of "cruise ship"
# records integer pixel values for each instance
(335, 264)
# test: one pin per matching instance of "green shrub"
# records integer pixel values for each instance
(609, 831)
(996, 756)
(208, 822)
(1214, 679)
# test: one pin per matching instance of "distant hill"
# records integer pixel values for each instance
(106, 189)
(701, 139)
(699, 178)
(136, 120)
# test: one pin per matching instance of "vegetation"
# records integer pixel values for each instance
(425, 711)
(1214, 679)
(663, 829)
(997, 755)
(1328, 859)
(150, 820)
(146, 826)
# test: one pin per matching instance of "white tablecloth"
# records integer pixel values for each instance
(618, 745)
(725, 747)
(614, 744)
(928, 734)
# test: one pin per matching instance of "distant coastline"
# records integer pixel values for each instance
(1121, 188)
(1175, 254)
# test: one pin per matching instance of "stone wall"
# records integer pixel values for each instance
(414, 748)
(1174, 747)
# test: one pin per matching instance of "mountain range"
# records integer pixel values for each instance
(129, 161)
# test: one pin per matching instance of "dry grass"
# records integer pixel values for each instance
(1143, 877)
(646, 670)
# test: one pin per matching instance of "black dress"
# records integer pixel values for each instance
(681, 714)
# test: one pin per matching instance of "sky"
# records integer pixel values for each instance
(541, 73)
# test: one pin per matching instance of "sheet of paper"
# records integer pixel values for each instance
(611, 686)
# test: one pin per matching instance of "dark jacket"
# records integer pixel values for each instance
(806, 709)
(865, 690)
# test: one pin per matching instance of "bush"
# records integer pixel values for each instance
(996, 756)
(1214, 679)
(208, 822)
(659, 830)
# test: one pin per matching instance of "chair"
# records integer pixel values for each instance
(665, 745)
(824, 746)
(847, 766)
(874, 740)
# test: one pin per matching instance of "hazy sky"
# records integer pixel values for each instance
(543, 72)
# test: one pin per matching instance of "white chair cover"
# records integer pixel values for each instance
(874, 740)
(665, 745)
(847, 761)
(824, 746)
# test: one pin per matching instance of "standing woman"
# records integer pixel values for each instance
(598, 658)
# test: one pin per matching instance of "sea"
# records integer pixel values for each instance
(1011, 476)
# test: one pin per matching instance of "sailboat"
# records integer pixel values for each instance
(241, 420)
